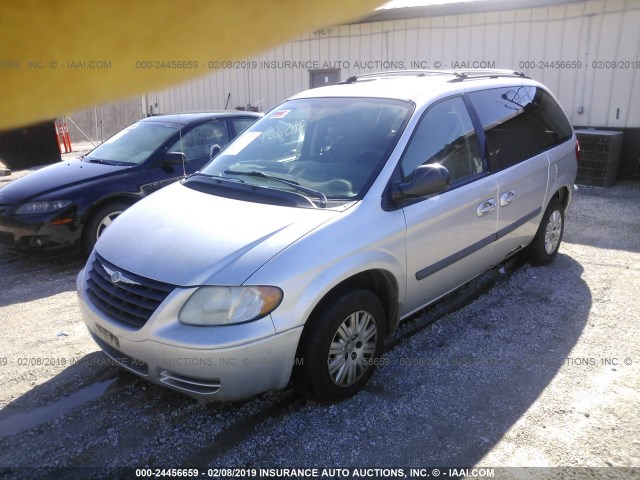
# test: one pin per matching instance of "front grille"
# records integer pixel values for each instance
(128, 298)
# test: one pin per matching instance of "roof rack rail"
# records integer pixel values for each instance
(459, 75)
(394, 73)
(470, 74)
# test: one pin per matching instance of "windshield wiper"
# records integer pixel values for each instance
(217, 177)
(291, 183)
(106, 162)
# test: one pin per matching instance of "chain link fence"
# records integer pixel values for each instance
(96, 124)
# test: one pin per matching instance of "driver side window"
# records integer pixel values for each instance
(197, 142)
(444, 135)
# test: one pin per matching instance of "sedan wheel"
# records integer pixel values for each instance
(99, 221)
(106, 221)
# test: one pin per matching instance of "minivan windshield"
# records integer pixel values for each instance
(328, 149)
(134, 144)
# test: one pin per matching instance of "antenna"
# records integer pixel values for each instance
(184, 157)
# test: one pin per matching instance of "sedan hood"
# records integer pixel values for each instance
(56, 176)
(188, 238)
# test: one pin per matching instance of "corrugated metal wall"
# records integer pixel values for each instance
(587, 53)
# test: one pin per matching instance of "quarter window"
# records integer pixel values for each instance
(519, 123)
(241, 124)
(445, 135)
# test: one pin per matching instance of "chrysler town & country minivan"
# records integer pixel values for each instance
(296, 250)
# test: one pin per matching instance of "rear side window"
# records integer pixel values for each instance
(241, 124)
(519, 123)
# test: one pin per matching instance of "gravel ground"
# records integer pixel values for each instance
(523, 367)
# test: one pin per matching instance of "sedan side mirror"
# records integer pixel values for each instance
(173, 158)
(215, 150)
(426, 179)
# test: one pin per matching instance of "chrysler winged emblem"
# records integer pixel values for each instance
(117, 277)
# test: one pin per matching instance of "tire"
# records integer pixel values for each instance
(98, 221)
(332, 376)
(546, 243)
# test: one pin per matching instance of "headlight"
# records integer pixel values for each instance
(226, 305)
(32, 208)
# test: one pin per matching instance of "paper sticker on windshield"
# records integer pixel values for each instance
(241, 142)
(280, 114)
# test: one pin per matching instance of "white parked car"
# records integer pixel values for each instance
(344, 210)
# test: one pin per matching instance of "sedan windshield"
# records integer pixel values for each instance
(134, 144)
(327, 149)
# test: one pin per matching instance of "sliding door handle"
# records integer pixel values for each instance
(485, 207)
(507, 198)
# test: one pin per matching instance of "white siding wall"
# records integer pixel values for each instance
(602, 31)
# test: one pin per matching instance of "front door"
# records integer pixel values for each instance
(450, 235)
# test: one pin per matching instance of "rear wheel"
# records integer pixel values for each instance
(100, 221)
(340, 346)
(546, 243)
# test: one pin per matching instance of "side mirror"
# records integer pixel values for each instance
(426, 179)
(215, 150)
(173, 158)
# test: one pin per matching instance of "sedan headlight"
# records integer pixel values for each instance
(227, 305)
(32, 208)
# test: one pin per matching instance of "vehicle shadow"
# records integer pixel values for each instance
(445, 394)
(454, 390)
(23, 278)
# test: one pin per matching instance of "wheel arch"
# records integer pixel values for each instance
(129, 199)
(564, 195)
(380, 282)
(89, 212)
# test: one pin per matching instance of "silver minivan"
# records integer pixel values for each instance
(297, 249)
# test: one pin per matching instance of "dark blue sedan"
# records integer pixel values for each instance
(67, 205)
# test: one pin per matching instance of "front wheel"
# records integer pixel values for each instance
(99, 221)
(546, 243)
(340, 346)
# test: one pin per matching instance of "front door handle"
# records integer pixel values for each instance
(487, 206)
(507, 198)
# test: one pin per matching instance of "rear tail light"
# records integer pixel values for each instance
(577, 151)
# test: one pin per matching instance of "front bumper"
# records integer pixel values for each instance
(36, 233)
(223, 363)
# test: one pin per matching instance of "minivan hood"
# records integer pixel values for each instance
(56, 176)
(187, 238)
